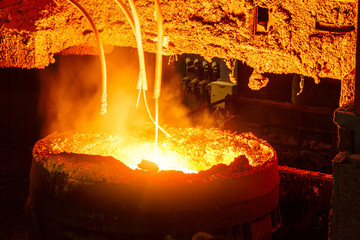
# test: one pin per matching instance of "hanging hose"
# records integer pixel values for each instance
(103, 108)
(132, 24)
(142, 83)
(127, 15)
(158, 64)
(158, 69)
(136, 29)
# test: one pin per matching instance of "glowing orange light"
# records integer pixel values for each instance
(189, 149)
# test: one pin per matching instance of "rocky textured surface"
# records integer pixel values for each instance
(315, 38)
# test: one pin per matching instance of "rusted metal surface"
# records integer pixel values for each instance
(312, 38)
(222, 29)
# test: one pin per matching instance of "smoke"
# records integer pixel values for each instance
(68, 94)
(71, 93)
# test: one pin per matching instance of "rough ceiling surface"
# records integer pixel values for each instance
(315, 38)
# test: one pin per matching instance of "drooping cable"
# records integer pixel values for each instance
(142, 82)
(158, 70)
(158, 63)
(136, 29)
(132, 24)
(127, 14)
(103, 108)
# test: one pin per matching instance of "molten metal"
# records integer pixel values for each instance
(189, 149)
(73, 193)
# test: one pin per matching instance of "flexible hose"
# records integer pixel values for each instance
(103, 108)
(135, 25)
(142, 83)
(127, 14)
(158, 70)
(158, 63)
(132, 24)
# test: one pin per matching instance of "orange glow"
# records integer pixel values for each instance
(189, 149)
(70, 93)
(103, 108)
(70, 103)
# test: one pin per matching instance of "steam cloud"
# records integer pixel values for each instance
(71, 93)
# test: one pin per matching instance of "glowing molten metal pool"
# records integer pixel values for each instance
(92, 185)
